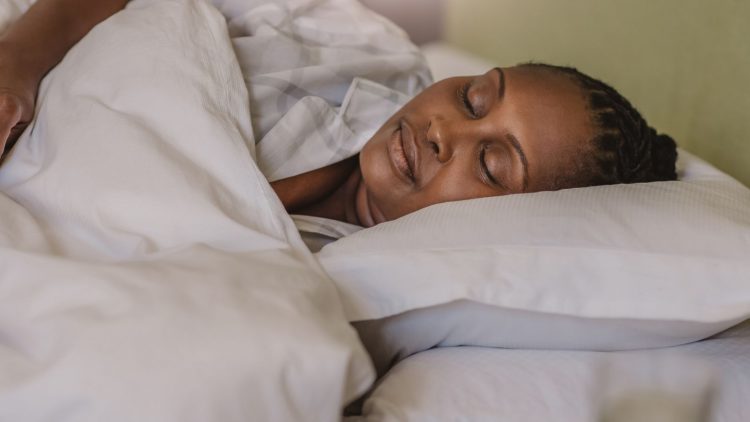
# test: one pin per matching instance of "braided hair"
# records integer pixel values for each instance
(625, 148)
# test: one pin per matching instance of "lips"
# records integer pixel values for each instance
(409, 142)
(398, 147)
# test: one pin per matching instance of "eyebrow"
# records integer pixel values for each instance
(511, 138)
(501, 88)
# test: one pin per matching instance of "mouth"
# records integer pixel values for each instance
(409, 143)
(397, 152)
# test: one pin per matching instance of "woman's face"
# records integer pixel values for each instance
(507, 131)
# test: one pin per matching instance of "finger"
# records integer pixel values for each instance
(15, 133)
(3, 138)
(9, 118)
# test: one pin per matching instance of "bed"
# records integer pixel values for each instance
(704, 380)
(149, 273)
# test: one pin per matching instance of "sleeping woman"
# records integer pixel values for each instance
(527, 128)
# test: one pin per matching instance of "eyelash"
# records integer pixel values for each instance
(464, 97)
(485, 169)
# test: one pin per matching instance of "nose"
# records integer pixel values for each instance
(446, 136)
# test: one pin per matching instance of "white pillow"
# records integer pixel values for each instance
(604, 268)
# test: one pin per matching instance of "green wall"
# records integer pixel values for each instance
(685, 64)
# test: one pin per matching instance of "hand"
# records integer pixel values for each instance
(17, 97)
(32, 46)
(15, 114)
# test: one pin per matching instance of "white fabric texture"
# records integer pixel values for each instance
(323, 76)
(603, 268)
(483, 384)
(148, 272)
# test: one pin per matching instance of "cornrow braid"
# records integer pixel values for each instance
(626, 148)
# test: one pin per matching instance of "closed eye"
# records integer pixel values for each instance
(463, 95)
(486, 170)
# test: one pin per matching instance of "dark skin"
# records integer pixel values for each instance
(507, 131)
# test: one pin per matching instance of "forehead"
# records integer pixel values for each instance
(548, 112)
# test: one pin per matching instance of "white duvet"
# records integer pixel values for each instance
(147, 270)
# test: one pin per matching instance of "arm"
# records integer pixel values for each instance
(34, 45)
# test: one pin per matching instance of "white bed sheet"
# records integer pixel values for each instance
(486, 384)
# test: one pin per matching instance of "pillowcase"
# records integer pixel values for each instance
(602, 268)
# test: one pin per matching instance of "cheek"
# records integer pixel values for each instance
(450, 183)
(371, 164)
(446, 186)
(455, 184)
(383, 186)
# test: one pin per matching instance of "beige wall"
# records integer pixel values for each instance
(684, 63)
